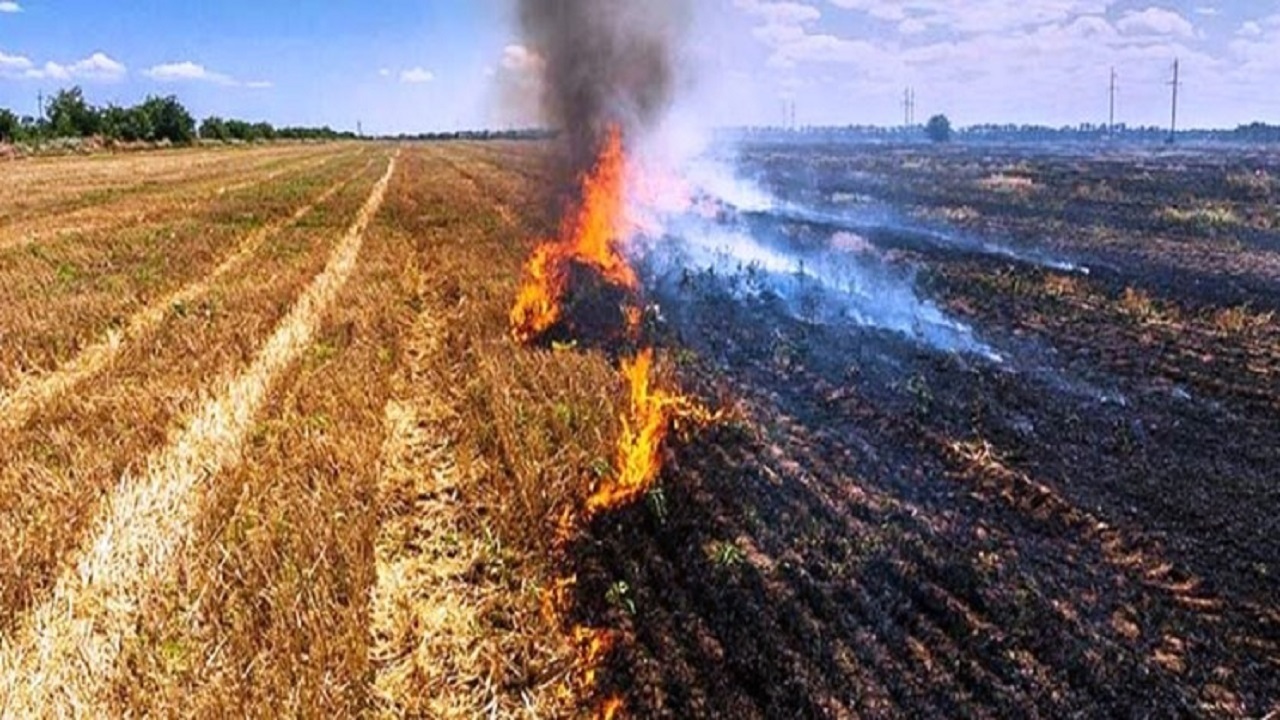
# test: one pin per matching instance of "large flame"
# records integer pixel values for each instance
(592, 236)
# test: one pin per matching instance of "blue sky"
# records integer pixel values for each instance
(408, 65)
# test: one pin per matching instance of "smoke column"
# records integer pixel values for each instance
(607, 62)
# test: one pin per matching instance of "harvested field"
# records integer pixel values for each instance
(270, 450)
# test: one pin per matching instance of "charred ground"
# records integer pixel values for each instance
(1088, 527)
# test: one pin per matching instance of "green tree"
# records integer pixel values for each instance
(214, 128)
(169, 120)
(70, 115)
(239, 130)
(938, 129)
(129, 124)
(263, 131)
(10, 126)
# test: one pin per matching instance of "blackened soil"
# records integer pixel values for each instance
(1088, 529)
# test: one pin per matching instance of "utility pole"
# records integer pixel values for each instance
(360, 129)
(40, 104)
(1111, 120)
(1173, 124)
(909, 107)
(793, 116)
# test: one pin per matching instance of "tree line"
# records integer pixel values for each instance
(156, 119)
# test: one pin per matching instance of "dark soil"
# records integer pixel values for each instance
(1087, 529)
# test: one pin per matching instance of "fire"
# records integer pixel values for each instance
(592, 236)
(650, 415)
(610, 708)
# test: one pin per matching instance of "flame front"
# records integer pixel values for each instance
(592, 236)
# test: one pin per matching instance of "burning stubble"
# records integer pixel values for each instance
(608, 63)
(609, 72)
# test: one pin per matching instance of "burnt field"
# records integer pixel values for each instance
(940, 433)
(1004, 441)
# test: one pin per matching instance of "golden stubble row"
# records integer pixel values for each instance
(62, 658)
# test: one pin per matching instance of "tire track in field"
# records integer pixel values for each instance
(23, 233)
(62, 659)
(434, 633)
(31, 393)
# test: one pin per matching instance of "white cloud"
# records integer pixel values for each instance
(188, 71)
(384, 72)
(8, 6)
(912, 26)
(1156, 21)
(1250, 29)
(1257, 49)
(779, 13)
(98, 67)
(417, 76)
(977, 16)
(14, 63)
(1208, 11)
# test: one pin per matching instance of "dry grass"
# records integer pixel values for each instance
(77, 445)
(1235, 321)
(41, 188)
(26, 397)
(1009, 184)
(1202, 216)
(340, 505)
(61, 297)
(65, 655)
(519, 434)
(110, 209)
(1259, 184)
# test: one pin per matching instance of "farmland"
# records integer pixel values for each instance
(270, 449)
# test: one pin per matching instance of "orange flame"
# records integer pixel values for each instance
(610, 708)
(592, 236)
(649, 417)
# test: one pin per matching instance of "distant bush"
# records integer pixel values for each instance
(939, 129)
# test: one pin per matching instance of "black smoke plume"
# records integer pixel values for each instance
(607, 62)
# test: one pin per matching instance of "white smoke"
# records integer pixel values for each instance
(688, 203)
